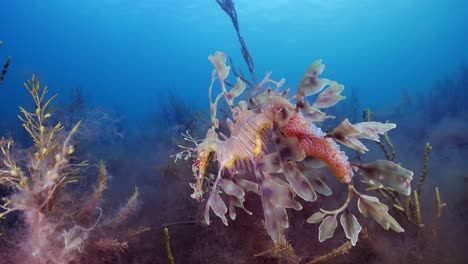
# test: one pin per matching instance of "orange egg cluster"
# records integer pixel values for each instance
(315, 143)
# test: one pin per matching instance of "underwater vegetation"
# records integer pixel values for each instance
(293, 184)
(71, 223)
(56, 224)
(101, 129)
(172, 113)
(5, 66)
(229, 8)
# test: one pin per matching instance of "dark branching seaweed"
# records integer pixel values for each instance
(5, 66)
(175, 115)
(229, 8)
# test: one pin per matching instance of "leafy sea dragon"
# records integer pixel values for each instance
(274, 147)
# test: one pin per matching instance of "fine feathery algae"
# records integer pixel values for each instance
(274, 147)
(58, 226)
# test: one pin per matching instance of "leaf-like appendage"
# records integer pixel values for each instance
(259, 100)
(242, 106)
(382, 173)
(219, 62)
(299, 182)
(329, 97)
(235, 92)
(370, 206)
(282, 217)
(213, 110)
(347, 134)
(218, 206)
(327, 227)
(279, 195)
(230, 125)
(289, 149)
(271, 163)
(313, 114)
(238, 89)
(271, 220)
(232, 209)
(231, 188)
(248, 186)
(317, 183)
(236, 202)
(371, 130)
(310, 83)
(313, 163)
(351, 227)
(320, 186)
(315, 218)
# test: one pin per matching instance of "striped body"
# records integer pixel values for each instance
(245, 141)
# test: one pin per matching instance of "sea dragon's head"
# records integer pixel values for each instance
(204, 152)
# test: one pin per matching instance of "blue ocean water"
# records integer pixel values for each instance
(126, 53)
(136, 60)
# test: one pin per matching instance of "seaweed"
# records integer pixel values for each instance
(230, 9)
(56, 226)
(341, 250)
(282, 251)
(411, 206)
(167, 244)
(5, 66)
